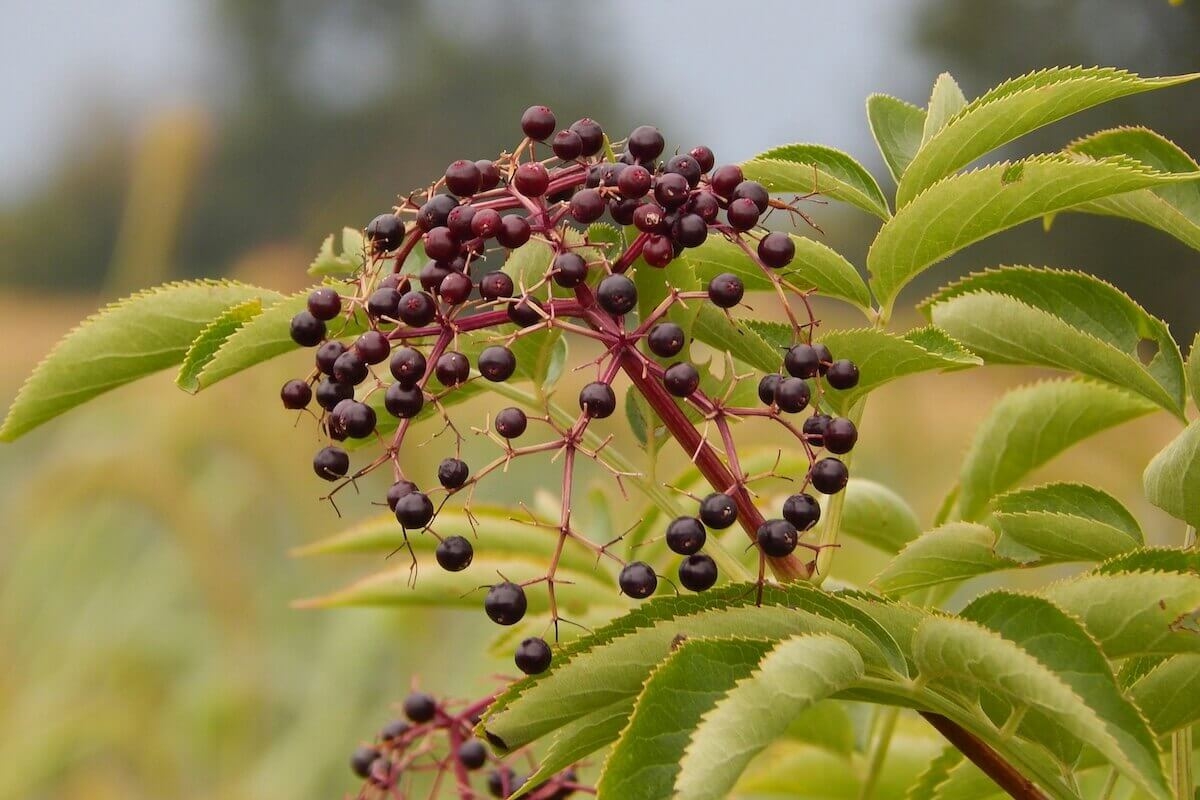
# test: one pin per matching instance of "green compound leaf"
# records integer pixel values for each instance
(205, 346)
(1173, 209)
(129, 339)
(945, 101)
(874, 514)
(897, 127)
(1169, 694)
(794, 676)
(953, 552)
(963, 209)
(1031, 425)
(1013, 109)
(1061, 644)
(646, 759)
(1068, 522)
(1067, 320)
(805, 168)
(576, 741)
(1172, 479)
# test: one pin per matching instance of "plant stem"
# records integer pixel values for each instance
(833, 515)
(885, 726)
(1110, 784)
(1181, 761)
(1006, 776)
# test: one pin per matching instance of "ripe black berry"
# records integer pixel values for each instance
(538, 122)
(420, 707)
(407, 366)
(587, 206)
(327, 355)
(385, 232)
(814, 429)
(455, 288)
(533, 656)
(666, 339)
(462, 178)
(531, 179)
(398, 490)
(453, 472)
(681, 379)
(726, 290)
(726, 179)
(373, 346)
(485, 223)
(393, 731)
(472, 754)
(623, 210)
(454, 553)
(416, 309)
(617, 295)
(829, 476)
(743, 214)
(650, 218)
(362, 759)
(567, 145)
(637, 579)
(777, 537)
(645, 143)
(752, 190)
(658, 251)
(689, 230)
(514, 231)
(414, 510)
(495, 285)
(671, 190)
(307, 330)
(767, 386)
(356, 419)
(825, 357)
(705, 205)
(570, 270)
(686, 535)
(295, 394)
(526, 311)
(698, 572)
(497, 363)
(792, 395)
(511, 422)
(329, 393)
(597, 400)
(459, 222)
(802, 510)
(718, 511)
(502, 782)
(776, 250)
(403, 401)
(434, 212)
(634, 182)
(590, 134)
(801, 361)
(383, 302)
(489, 174)
(441, 244)
(840, 436)
(452, 369)
(350, 368)
(331, 463)
(842, 374)
(704, 157)
(505, 603)
(685, 166)
(324, 303)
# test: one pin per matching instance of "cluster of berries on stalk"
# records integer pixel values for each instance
(435, 738)
(546, 194)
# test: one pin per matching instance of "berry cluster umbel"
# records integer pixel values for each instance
(434, 737)
(409, 353)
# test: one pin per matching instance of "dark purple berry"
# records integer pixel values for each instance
(307, 330)
(767, 386)
(531, 179)
(471, 753)
(597, 400)
(698, 572)
(650, 218)
(431, 275)
(829, 476)
(416, 309)
(350, 368)
(590, 134)
(567, 145)
(383, 302)
(689, 230)
(840, 435)
(776, 250)
(357, 419)
(538, 123)
(497, 363)
(704, 205)
(726, 179)
(801, 361)
(686, 166)
(511, 422)
(361, 761)
(420, 707)
(394, 731)
(526, 312)
(792, 395)
(686, 535)
(414, 510)
(587, 206)
(329, 393)
(327, 355)
(453, 473)
(441, 244)
(486, 223)
(454, 553)
(570, 270)
(459, 222)
(842, 374)
(502, 782)
(617, 295)
(743, 214)
(505, 603)
(295, 394)
(777, 537)
(752, 190)
(495, 285)
(407, 366)
(398, 490)
(634, 182)
(533, 656)
(324, 303)
(434, 212)
(666, 339)
(718, 511)
(514, 231)
(394, 280)
(814, 429)
(462, 178)
(658, 251)
(385, 232)
(681, 379)
(456, 288)
(403, 401)
(452, 369)
(826, 357)
(671, 190)
(637, 579)
(726, 290)
(802, 510)
(704, 157)
(331, 463)
(489, 174)
(645, 143)
(373, 346)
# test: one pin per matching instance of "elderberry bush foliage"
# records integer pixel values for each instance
(689, 286)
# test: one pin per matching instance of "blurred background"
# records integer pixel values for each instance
(147, 647)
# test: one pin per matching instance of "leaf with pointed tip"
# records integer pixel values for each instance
(1193, 370)
(646, 759)
(1152, 559)
(930, 782)
(1068, 522)
(953, 552)
(963, 209)
(945, 101)
(806, 168)
(573, 742)
(1174, 209)
(128, 339)
(1013, 109)
(1032, 424)
(795, 675)
(1169, 694)
(1063, 319)
(347, 262)
(741, 339)
(1172, 479)
(205, 346)
(897, 127)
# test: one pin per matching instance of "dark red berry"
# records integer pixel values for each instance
(718, 511)
(459, 222)
(802, 510)
(434, 213)
(456, 288)
(403, 401)
(538, 122)
(704, 157)
(567, 145)
(373, 346)
(825, 357)
(331, 463)
(295, 394)
(398, 490)
(416, 309)
(726, 179)
(489, 174)
(645, 143)
(705, 205)
(471, 753)
(792, 395)
(829, 476)
(350, 368)
(686, 535)
(685, 166)
(814, 429)
(533, 656)
(407, 366)
(776, 250)
(801, 361)
(329, 393)
(681, 379)
(453, 473)
(362, 759)
(767, 386)
(414, 510)
(634, 181)
(394, 731)
(842, 374)
(617, 295)
(356, 419)
(497, 363)
(689, 230)
(495, 285)
(385, 232)
(307, 330)
(454, 553)
(622, 211)
(570, 270)
(531, 179)
(394, 280)
(514, 231)
(777, 537)
(526, 312)
(452, 369)
(505, 603)
(441, 244)
(666, 339)
(462, 178)
(671, 190)
(486, 223)
(840, 436)
(637, 579)
(726, 290)
(590, 134)
(324, 303)
(587, 206)
(752, 190)
(698, 572)
(334, 426)
(383, 303)
(511, 422)
(658, 251)
(742, 214)
(597, 400)
(650, 218)
(432, 274)
(420, 707)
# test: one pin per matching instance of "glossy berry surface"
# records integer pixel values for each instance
(726, 290)
(617, 295)
(681, 379)
(792, 395)
(331, 463)
(597, 400)
(637, 579)
(842, 374)
(307, 330)
(538, 123)
(840, 436)
(385, 232)
(511, 422)
(802, 510)
(414, 510)
(452, 369)
(454, 553)
(666, 339)
(497, 363)
(698, 572)
(295, 394)
(767, 386)
(533, 656)
(777, 537)
(420, 707)
(452, 473)
(686, 535)
(829, 476)
(801, 361)
(505, 603)
(718, 511)
(324, 303)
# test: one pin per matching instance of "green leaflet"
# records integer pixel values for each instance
(953, 552)
(740, 338)
(805, 168)
(1068, 522)
(898, 128)
(349, 261)
(1062, 319)
(1013, 109)
(1172, 479)
(1031, 425)
(799, 672)
(205, 346)
(1169, 694)
(579, 739)
(945, 101)
(878, 516)
(128, 339)
(963, 209)
(1193, 370)
(646, 759)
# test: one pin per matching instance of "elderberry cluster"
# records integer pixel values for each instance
(409, 360)
(436, 737)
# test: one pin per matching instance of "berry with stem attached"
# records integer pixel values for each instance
(681, 379)
(454, 553)
(829, 475)
(420, 707)
(497, 363)
(777, 538)
(617, 295)
(718, 510)
(533, 656)
(637, 579)
(802, 510)
(666, 339)
(331, 463)
(840, 436)
(511, 422)
(505, 603)
(698, 572)
(414, 510)
(295, 394)
(686, 535)
(597, 400)
(842, 374)
(453, 473)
